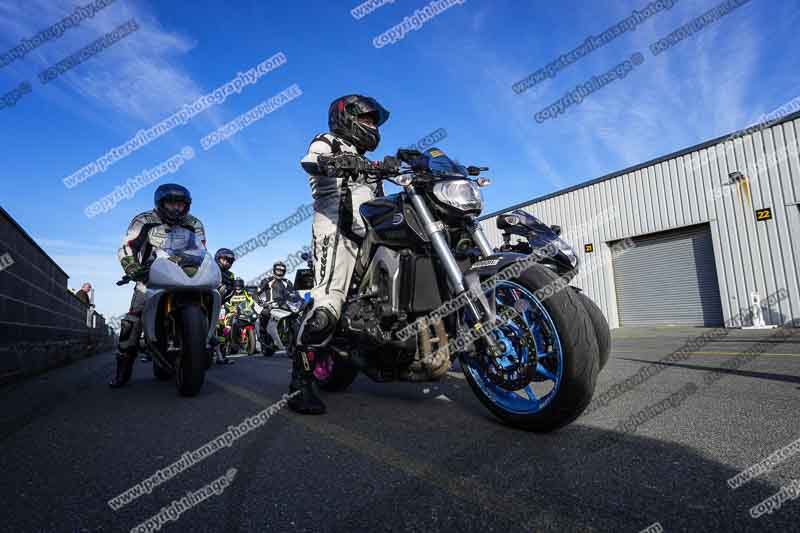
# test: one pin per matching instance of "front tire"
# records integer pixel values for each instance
(190, 372)
(251, 342)
(559, 324)
(601, 329)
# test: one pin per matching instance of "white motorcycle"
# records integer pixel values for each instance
(279, 330)
(180, 311)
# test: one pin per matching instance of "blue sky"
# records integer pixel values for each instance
(455, 72)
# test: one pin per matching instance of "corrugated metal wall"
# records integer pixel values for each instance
(693, 188)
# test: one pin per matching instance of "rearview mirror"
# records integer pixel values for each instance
(407, 156)
(304, 279)
(475, 171)
(556, 229)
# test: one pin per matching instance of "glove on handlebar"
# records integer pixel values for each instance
(342, 164)
(135, 271)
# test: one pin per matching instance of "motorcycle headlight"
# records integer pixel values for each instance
(464, 195)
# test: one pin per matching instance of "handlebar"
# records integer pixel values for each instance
(351, 163)
(346, 163)
(124, 281)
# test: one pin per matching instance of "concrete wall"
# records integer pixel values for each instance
(42, 323)
(693, 187)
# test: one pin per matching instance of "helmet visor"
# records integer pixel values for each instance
(370, 107)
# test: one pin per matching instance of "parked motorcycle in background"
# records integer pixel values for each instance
(181, 306)
(557, 255)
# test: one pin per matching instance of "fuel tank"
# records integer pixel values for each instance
(393, 222)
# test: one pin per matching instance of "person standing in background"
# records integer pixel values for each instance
(84, 294)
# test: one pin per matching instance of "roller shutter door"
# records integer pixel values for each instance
(669, 279)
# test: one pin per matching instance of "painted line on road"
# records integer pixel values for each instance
(704, 353)
(460, 487)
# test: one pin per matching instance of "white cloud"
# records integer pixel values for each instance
(140, 77)
(688, 94)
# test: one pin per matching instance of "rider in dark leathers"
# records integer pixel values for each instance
(146, 233)
(225, 259)
(273, 288)
(337, 231)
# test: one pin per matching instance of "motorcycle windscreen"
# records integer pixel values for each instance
(183, 262)
(441, 165)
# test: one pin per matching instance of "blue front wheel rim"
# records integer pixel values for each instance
(536, 323)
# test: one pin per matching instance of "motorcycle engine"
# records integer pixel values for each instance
(362, 318)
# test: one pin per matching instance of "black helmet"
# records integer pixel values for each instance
(238, 284)
(172, 192)
(227, 254)
(343, 120)
(279, 269)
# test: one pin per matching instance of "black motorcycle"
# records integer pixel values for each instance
(557, 255)
(427, 288)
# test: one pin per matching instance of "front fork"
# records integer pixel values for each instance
(479, 307)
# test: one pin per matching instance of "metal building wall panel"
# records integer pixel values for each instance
(744, 209)
(788, 174)
(766, 235)
(793, 133)
(695, 188)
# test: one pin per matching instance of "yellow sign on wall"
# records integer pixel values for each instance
(764, 214)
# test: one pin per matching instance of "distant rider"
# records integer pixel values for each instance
(225, 259)
(239, 296)
(274, 288)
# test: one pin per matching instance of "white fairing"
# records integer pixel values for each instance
(278, 314)
(167, 276)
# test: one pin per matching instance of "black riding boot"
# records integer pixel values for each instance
(308, 401)
(124, 370)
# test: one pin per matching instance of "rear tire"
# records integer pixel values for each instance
(601, 329)
(190, 370)
(579, 352)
